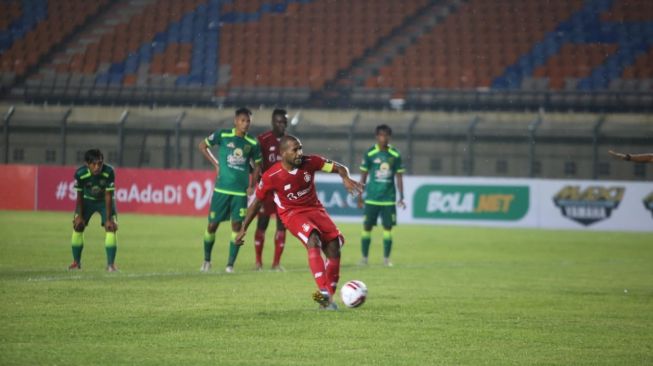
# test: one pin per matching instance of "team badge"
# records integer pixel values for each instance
(247, 149)
(307, 177)
(305, 227)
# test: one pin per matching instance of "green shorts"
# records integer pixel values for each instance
(89, 207)
(388, 215)
(226, 206)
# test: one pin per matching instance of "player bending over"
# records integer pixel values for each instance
(95, 184)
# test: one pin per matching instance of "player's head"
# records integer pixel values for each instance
(94, 160)
(383, 133)
(242, 120)
(291, 150)
(279, 121)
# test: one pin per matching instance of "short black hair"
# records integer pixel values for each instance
(279, 112)
(93, 155)
(243, 110)
(385, 128)
(285, 140)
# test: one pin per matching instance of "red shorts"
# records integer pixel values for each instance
(302, 224)
(268, 208)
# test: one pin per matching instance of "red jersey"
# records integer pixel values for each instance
(294, 191)
(269, 149)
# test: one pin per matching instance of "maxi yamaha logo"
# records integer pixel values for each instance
(648, 202)
(589, 205)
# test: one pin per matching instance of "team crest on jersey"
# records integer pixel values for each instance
(247, 149)
(307, 177)
(305, 227)
(391, 160)
(273, 148)
(589, 205)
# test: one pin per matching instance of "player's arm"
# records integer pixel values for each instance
(256, 176)
(637, 158)
(400, 189)
(78, 220)
(204, 148)
(351, 185)
(252, 211)
(362, 181)
(110, 225)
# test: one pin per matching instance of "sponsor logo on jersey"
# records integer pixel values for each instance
(589, 205)
(236, 158)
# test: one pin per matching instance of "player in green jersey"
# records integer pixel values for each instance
(382, 163)
(238, 153)
(95, 184)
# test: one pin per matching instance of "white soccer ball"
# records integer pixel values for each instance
(353, 293)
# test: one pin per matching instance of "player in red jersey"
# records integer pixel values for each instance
(269, 142)
(291, 182)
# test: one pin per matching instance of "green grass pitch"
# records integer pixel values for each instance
(456, 296)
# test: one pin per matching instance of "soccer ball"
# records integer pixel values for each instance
(353, 293)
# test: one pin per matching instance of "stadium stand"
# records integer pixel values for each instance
(423, 54)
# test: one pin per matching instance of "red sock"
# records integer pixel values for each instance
(316, 263)
(333, 273)
(259, 240)
(279, 242)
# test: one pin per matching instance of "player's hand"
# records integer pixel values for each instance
(78, 223)
(359, 203)
(240, 238)
(617, 155)
(250, 191)
(401, 204)
(111, 226)
(353, 187)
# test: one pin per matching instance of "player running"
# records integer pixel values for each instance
(95, 184)
(292, 183)
(382, 162)
(269, 142)
(237, 151)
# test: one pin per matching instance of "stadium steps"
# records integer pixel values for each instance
(17, 88)
(386, 48)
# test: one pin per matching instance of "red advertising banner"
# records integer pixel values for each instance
(17, 187)
(151, 191)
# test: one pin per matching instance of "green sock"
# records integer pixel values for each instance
(387, 243)
(233, 250)
(366, 240)
(209, 240)
(77, 242)
(111, 247)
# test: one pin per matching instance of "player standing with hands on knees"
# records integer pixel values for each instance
(383, 163)
(291, 182)
(95, 184)
(237, 152)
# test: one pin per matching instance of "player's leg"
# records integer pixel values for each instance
(216, 215)
(388, 220)
(238, 208)
(77, 242)
(324, 294)
(110, 238)
(369, 221)
(259, 237)
(332, 252)
(279, 244)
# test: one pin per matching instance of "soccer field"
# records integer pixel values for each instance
(456, 296)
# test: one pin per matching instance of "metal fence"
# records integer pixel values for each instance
(496, 144)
